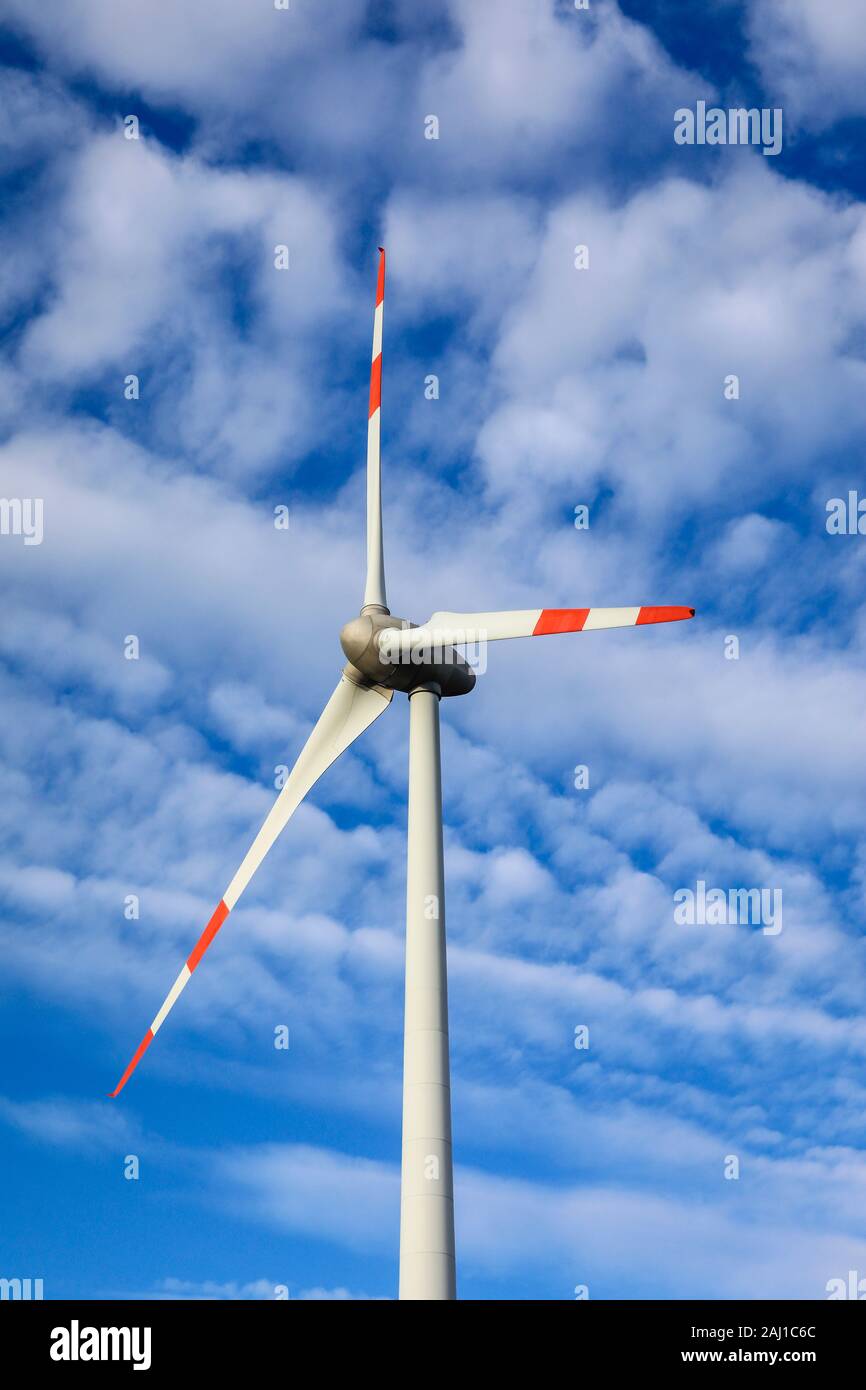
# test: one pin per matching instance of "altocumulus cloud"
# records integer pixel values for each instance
(559, 386)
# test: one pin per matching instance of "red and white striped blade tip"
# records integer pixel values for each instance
(665, 615)
(553, 620)
(192, 960)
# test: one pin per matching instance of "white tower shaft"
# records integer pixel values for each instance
(427, 1261)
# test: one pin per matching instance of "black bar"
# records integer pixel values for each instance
(223, 1338)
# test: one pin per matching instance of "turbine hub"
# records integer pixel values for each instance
(360, 642)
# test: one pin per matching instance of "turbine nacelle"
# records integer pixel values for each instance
(377, 657)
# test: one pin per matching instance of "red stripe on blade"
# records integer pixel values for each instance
(380, 284)
(376, 385)
(207, 936)
(560, 620)
(142, 1048)
(664, 615)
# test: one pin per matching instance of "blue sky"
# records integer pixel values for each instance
(605, 386)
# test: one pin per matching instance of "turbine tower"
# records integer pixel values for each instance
(387, 654)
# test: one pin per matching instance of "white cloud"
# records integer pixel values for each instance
(90, 1126)
(530, 85)
(207, 51)
(134, 265)
(615, 374)
(37, 118)
(811, 58)
(673, 1246)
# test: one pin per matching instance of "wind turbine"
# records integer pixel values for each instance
(386, 654)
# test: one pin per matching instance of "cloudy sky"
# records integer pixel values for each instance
(728, 750)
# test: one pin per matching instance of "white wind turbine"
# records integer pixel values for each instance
(387, 654)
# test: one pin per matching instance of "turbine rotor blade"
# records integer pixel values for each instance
(351, 709)
(374, 591)
(456, 629)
